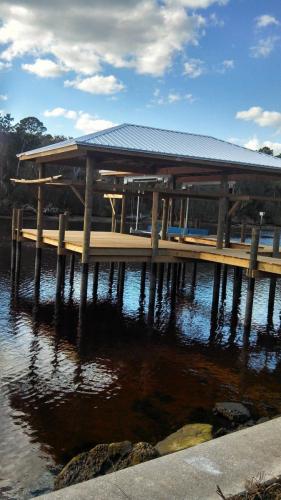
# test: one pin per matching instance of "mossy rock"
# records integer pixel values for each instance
(187, 436)
(103, 459)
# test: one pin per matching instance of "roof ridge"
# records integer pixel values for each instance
(101, 132)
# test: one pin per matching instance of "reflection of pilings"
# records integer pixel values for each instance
(152, 289)
(216, 292)
(251, 277)
(14, 243)
(71, 269)
(142, 282)
(183, 271)
(236, 295)
(169, 267)
(193, 275)
(161, 268)
(110, 277)
(121, 280)
(273, 279)
(96, 280)
(224, 282)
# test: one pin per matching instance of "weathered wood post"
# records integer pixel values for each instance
(165, 219)
(193, 275)
(123, 215)
(237, 286)
(273, 279)
(172, 202)
(61, 254)
(96, 280)
(182, 213)
(219, 245)
(18, 247)
(39, 232)
(13, 243)
(90, 177)
(251, 277)
(154, 225)
(243, 233)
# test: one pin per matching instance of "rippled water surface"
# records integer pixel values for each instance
(64, 390)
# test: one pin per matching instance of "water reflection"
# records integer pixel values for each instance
(123, 374)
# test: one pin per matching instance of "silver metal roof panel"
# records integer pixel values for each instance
(149, 140)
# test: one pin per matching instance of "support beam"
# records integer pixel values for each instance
(14, 243)
(154, 225)
(251, 278)
(123, 215)
(273, 279)
(165, 215)
(96, 280)
(90, 176)
(18, 246)
(39, 227)
(61, 254)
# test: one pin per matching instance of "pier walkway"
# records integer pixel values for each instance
(116, 247)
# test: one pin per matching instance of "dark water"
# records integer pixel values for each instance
(63, 390)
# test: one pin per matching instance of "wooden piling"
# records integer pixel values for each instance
(121, 280)
(216, 293)
(193, 275)
(251, 277)
(18, 245)
(61, 254)
(182, 213)
(273, 279)
(39, 227)
(154, 226)
(90, 176)
(14, 243)
(243, 233)
(123, 215)
(237, 286)
(165, 215)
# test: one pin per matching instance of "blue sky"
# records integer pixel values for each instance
(203, 66)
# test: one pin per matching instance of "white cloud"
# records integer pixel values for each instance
(66, 113)
(264, 47)
(3, 97)
(194, 68)
(266, 20)
(45, 68)
(97, 84)
(261, 117)
(172, 97)
(84, 122)
(84, 36)
(255, 144)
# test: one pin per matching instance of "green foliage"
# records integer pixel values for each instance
(266, 150)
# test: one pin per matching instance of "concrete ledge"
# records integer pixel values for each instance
(191, 474)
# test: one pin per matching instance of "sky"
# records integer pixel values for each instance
(202, 66)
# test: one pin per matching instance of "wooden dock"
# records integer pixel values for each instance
(117, 247)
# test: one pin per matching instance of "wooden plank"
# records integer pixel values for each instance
(113, 196)
(46, 180)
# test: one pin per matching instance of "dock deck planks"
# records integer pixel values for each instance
(109, 246)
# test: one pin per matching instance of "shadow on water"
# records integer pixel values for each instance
(66, 386)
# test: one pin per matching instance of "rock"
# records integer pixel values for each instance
(235, 412)
(189, 435)
(103, 459)
(262, 420)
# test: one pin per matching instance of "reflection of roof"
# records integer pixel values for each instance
(165, 143)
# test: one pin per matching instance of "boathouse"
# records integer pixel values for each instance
(138, 150)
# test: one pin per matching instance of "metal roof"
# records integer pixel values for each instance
(167, 143)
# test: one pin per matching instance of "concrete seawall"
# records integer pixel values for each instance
(191, 474)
